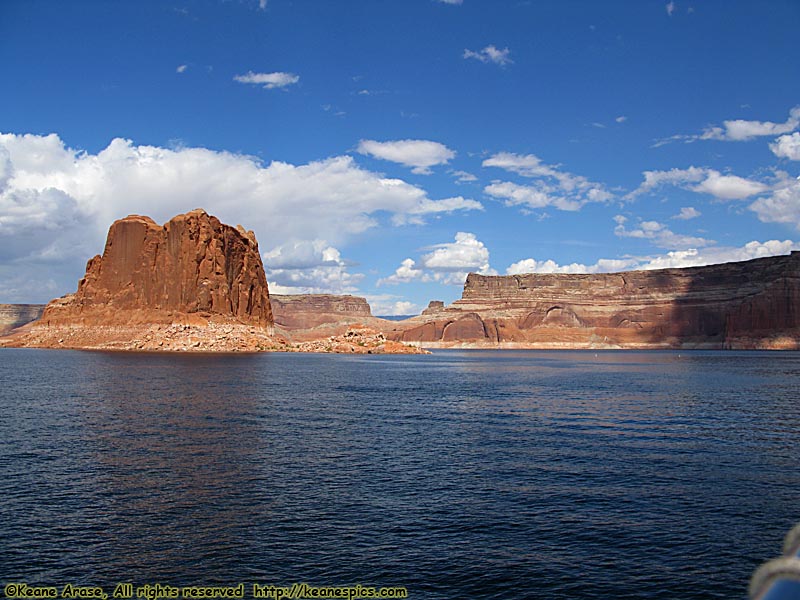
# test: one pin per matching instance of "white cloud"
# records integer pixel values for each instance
(712, 256)
(262, 4)
(406, 272)
(448, 263)
(451, 262)
(660, 235)
(691, 257)
(429, 207)
(391, 305)
(302, 254)
(270, 81)
(490, 54)
(56, 203)
(740, 130)
(540, 196)
(787, 146)
(782, 205)
(404, 307)
(463, 176)
(670, 8)
(308, 267)
(621, 119)
(181, 68)
(315, 280)
(552, 187)
(419, 154)
(531, 265)
(707, 181)
(729, 187)
(687, 212)
(451, 1)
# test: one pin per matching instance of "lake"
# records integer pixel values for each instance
(463, 474)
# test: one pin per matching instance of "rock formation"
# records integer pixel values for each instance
(191, 273)
(751, 304)
(192, 266)
(193, 284)
(434, 307)
(304, 311)
(17, 315)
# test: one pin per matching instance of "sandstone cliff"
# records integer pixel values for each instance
(16, 315)
(191, 266)
(751, 304)
(165, 287)
(304, 311)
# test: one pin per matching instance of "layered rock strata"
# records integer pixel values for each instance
(304, 311)
(17, 315)
(751, 304)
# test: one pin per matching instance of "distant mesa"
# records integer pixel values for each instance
(750, 304)
(13, 316)
(434, 307)
(304, 311)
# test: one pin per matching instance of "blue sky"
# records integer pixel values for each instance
(385, 148)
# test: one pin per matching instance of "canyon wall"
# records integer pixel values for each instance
(16, 315)
(305, 311)
(751, 304)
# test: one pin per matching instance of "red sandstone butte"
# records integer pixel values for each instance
(749, 304)
(191, 284)
(148, 273)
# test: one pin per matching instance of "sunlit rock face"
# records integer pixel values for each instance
(192, 266)
(751, 304)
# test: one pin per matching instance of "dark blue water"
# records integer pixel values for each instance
(456, 475)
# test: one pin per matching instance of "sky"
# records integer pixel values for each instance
(386, 148)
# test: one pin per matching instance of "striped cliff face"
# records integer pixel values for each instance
(16, 315)
(747, 304)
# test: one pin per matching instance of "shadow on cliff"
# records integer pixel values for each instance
(735, 305)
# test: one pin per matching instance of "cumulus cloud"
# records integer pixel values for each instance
(270, 81)
(551, 186)
(463, 176)
(490, 54)
(787, 146)
(701, 180)
(531, 265)
(782, 205)
(56, 203)
(670, 8)
(391, 305)
(691, 257)
(419, 154)
(447, 263)
(415, 216)
(659, 234)
(687, 212)
(740, 130)
(308, 267)
(729, 187)
(621, 119)
(181, 68)
(406, 272)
